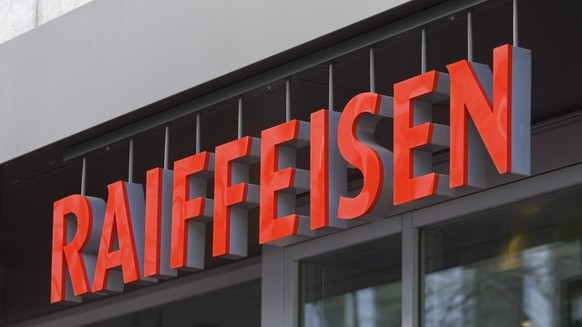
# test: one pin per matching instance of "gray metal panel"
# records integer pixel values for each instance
(350, 237)
(410, 272)
(502, 195)
(272, 286)
(149, 297)
(284, 71)
(111, 57)
(547, 159)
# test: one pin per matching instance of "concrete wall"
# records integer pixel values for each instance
(20, 16)
(110, 57)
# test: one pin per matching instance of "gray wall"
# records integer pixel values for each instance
(110, 57)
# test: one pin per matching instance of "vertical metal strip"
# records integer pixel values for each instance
(167, 147)
(330, 89)
(372, 70)
(130, 168)
(240, 117)
(423, 51)
(273, 292)
(84, 176)
(323, 299)
(288, 99)
(421, 272)
(469, 35)
(515, 29)
(198, 133)
(410, 273)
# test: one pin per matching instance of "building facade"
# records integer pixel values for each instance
(115, 89)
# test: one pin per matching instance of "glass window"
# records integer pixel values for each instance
(516, 266)
(359, 286)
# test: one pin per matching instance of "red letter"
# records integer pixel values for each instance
(274, 180)
(357, 145)
(188, 244)
(73, 255)
(230, 232)
(158, 223)
(415, 138)
(326, 161)
(124, 210)
(503, 124)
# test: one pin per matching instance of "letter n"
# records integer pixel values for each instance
(499, 106)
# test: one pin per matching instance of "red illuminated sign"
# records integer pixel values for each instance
(98, 246)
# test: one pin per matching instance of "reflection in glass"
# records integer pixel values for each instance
(518, 266)
(356, 287)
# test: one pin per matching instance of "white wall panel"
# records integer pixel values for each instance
(16, 17)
